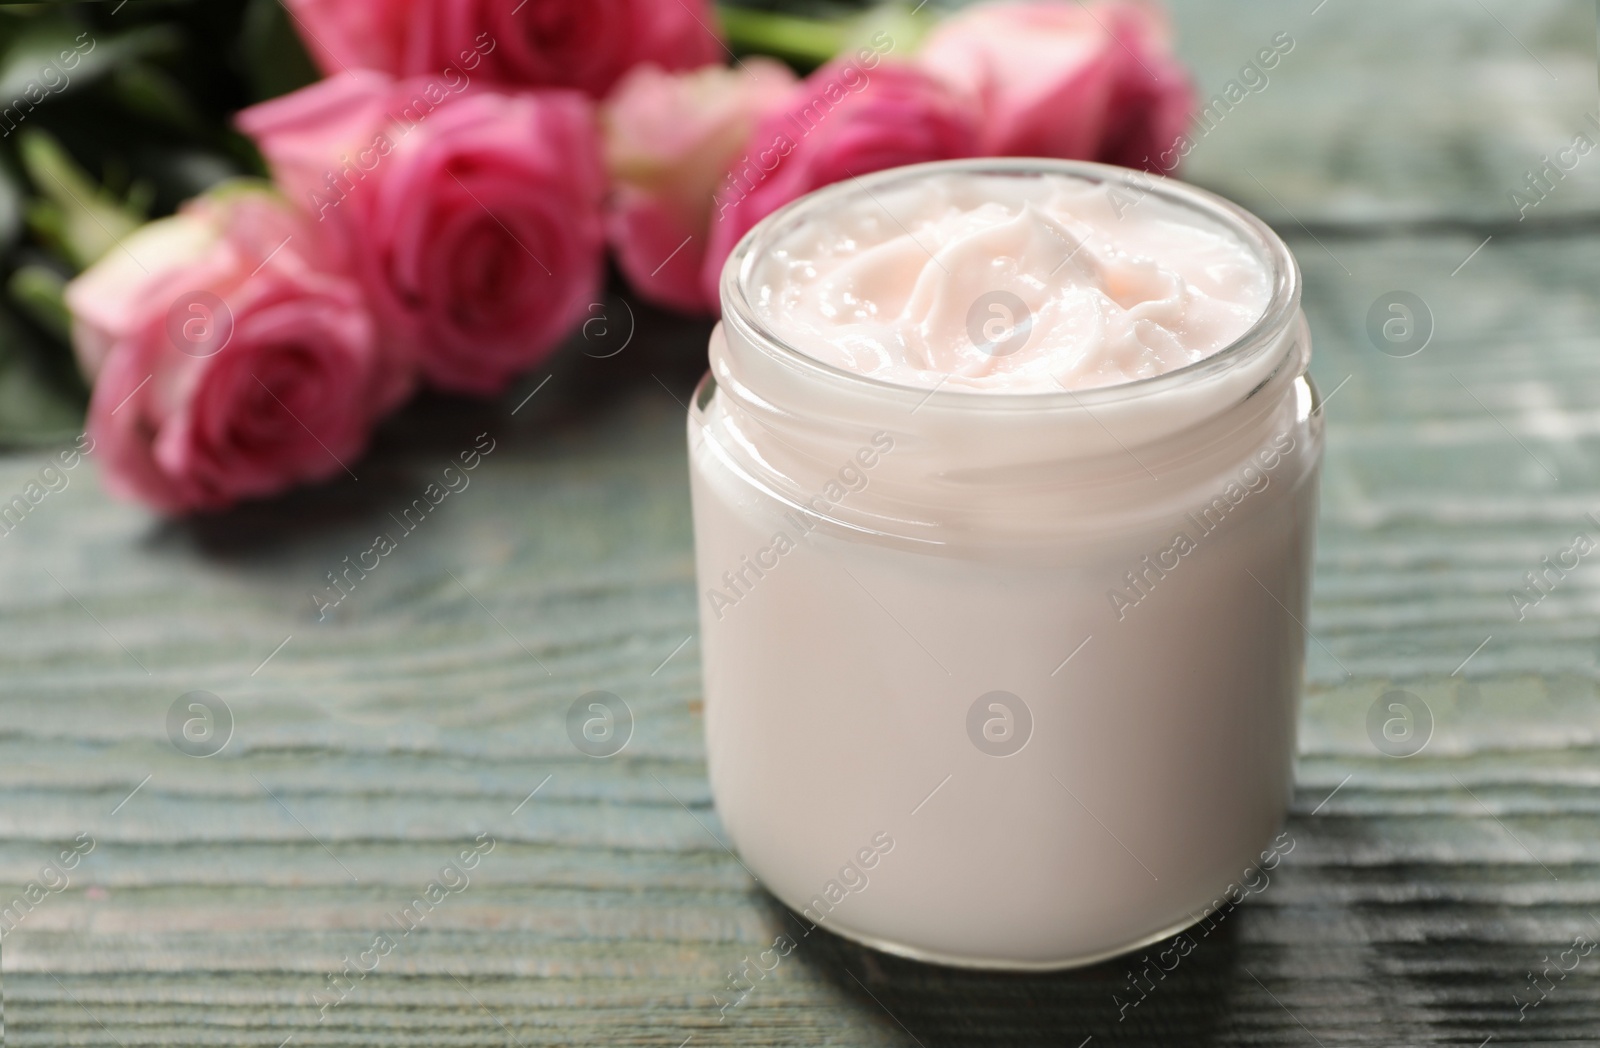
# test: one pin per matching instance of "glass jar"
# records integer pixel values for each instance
(1004, 680)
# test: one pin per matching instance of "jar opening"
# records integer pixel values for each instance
(740, 312)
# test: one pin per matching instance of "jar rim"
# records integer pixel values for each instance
(1256, 235)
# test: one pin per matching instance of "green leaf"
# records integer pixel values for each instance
(58, 56)
(801, 41)
(807, 42)
(34, 57)
(11, 196)
(74, 214)
(153, 93)
(35, 408)
(37, 291)
(904, 26)
(272, 51)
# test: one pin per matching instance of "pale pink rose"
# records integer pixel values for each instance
(472, 220)
(670, 140)
(847, 119)
(583, 44)
(226, 363)
(1057, 78)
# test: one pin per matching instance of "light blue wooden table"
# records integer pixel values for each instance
(425, 715)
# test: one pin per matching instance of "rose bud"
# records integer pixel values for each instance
(670, 140)
(1057, 78)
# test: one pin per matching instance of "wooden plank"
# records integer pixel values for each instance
(608, 913)
(1422, 112)
(429, 705)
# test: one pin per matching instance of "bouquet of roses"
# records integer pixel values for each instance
(442, 203)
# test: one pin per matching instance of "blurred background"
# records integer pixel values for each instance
(1432, 117)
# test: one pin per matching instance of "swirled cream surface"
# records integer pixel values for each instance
(1000, 284)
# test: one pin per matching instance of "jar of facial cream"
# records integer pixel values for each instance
(1004, 480)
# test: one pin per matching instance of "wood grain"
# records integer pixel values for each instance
(375, 745)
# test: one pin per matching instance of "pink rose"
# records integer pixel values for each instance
(670, 140)
(1057, 78)
(849, 118)
(472, 220)
(582, 44)
(345, 35)
(226, 365)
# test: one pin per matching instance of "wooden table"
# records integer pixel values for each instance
(369, 749)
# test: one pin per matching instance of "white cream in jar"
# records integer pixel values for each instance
(1004, 483)
(1076, 285)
